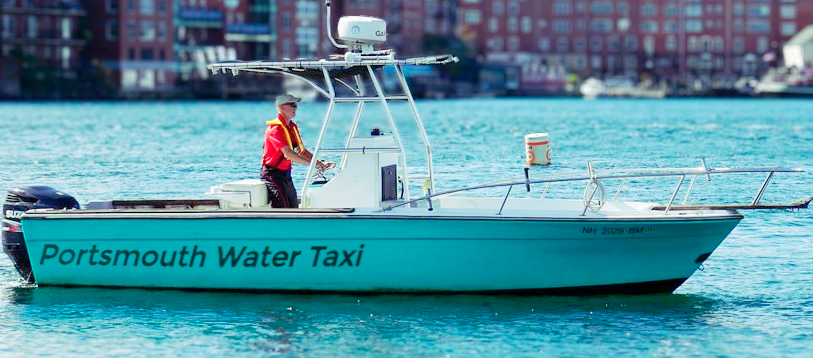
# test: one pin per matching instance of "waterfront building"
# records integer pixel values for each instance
(679, 40)
(132, 43)
(41, 43)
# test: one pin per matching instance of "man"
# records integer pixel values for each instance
(283, 145)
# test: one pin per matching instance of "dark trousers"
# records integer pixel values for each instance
(281, 190)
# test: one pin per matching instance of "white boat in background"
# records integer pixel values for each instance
(591, 88)
(376, 222)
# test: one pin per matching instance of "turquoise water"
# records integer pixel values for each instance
(753, 298)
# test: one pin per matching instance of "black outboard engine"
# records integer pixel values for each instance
(18, 201)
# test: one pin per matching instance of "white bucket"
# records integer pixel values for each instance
(537, 148)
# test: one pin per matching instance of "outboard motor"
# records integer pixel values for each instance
(18, 201)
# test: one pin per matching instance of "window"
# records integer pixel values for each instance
(544, 44)
(671, 43)
(286, 22)
(613, 44)
(513, 8)
(719, 44)
(112, 6)
(788, 11)
(561, 7)
(694, 10)
(561, 26)
(493, 24)
(306, 10)
(630, 62)
(691, 62)
(513, 43)
(471, 16)
(738, 26)
(561, 44)
(131, 29)
(692, 44)
(579, 25)
(146, 7)
(8, 26)
(512, 25)
(146, 54)
(719, 63)
(131, 54)
(601, 25)
(601, 8)
(671, 9)
(580, 7)
(595, 62)
(66, 57)
(162, 6)
(649, 26)
(758, 26)
(631, 42)
(705, 44)
(694, 26)
(579, 44)
(162, 31)
(762, 44)
(739, 9)
(759, 10)
(32, 27)
(788, 28)
(649, 9)
(649, 45)
(670, 27)
(66, 28)
(595, 44)
(623, 8)
(287, 50)
(147, 30)
(111, 29)
(495, 43)
(526, 24)
(581, 62)
(497, 8)
(738, 45)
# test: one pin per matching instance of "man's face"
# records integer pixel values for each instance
(288, 110)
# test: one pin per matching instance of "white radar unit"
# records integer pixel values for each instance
(360, 33)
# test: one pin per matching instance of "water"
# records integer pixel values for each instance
(754, 297)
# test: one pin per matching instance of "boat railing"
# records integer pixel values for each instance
(594, 195)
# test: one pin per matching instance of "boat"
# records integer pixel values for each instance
(376, 223)
(591, 88)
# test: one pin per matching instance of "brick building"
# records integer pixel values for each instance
(41, 42)
(133, 43)
(671, 39)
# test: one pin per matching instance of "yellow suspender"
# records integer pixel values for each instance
(277, 122)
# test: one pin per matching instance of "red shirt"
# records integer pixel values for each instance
(275, 140)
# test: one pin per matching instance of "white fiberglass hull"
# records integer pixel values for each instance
(405, 250)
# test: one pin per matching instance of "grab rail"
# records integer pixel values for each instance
(595, 176)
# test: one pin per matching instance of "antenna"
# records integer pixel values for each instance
(327, 24)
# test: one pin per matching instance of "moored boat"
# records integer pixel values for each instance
(376, 222)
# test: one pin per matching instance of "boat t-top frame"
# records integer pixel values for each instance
(330, 77)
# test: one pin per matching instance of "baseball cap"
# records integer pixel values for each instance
(286, 98)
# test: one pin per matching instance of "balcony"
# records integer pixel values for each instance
(249, 33)
(62, 8)
(199, 18)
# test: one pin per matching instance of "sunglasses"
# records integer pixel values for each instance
(293, 105)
